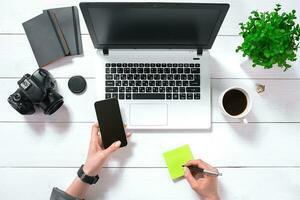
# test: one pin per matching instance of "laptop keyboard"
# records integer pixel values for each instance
(164, 81)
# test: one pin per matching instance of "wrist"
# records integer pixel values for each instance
(78, 188)
(89, 170)
(85, 177)
(212, 197)
(78, 181)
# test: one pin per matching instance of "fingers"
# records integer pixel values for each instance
(199, 163)
(96, 141)
(94, 133)
(128, 134)
(96, 138)
(112, 148)
(189, 177)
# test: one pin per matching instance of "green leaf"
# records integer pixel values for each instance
(270, 38)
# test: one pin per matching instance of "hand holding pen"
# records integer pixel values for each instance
(207, 186)
(203, 171)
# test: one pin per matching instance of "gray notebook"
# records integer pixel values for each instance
(46, 38)
(68, 20)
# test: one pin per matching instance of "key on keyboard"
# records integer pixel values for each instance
(161, 81)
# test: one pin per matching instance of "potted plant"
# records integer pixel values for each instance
(270, 38)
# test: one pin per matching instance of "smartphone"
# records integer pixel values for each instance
(110, 122)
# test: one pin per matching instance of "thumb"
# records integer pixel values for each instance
(112, 148)
(189, 177)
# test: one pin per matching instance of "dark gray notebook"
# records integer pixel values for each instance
(45, 38)
(68, 20)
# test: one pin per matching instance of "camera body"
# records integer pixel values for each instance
(37, 89)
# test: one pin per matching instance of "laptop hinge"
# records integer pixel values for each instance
(105, 51)
(199, 52)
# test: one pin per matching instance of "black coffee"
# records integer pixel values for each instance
(234, 102)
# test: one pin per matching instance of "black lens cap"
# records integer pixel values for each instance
(77, 84)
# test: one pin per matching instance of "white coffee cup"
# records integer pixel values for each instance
(241, 116)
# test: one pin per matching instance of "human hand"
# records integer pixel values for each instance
(97, 155)
(207, 186)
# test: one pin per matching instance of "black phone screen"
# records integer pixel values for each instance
(110, 122)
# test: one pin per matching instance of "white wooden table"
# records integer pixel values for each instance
(259, 160)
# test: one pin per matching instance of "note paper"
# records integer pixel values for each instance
(176, 158)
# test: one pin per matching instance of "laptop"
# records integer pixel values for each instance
(156, 60)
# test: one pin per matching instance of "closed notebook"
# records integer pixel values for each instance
(45, 38)
(68, 20)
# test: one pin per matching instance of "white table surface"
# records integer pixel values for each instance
(259, 160)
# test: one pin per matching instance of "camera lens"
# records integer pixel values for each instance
(54, 107)
(52, 103)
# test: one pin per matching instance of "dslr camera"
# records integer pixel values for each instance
(37, 89)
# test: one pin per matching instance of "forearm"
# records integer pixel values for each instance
(78, 188)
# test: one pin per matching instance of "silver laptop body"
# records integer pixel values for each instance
(154, 58)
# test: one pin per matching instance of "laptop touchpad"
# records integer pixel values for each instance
(148, 114)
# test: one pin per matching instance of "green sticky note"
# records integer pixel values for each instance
(176, 158)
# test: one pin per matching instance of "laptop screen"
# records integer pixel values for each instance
(153, 25)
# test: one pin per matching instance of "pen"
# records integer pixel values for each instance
(200, 170)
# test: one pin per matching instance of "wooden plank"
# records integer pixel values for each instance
(239, 11)
(282, 183)
(225, 62)
(47, 141)
(278, 104)
(20, 60)
(72, 110)
(65, 145)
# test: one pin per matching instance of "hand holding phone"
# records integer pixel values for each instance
(110, 122)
